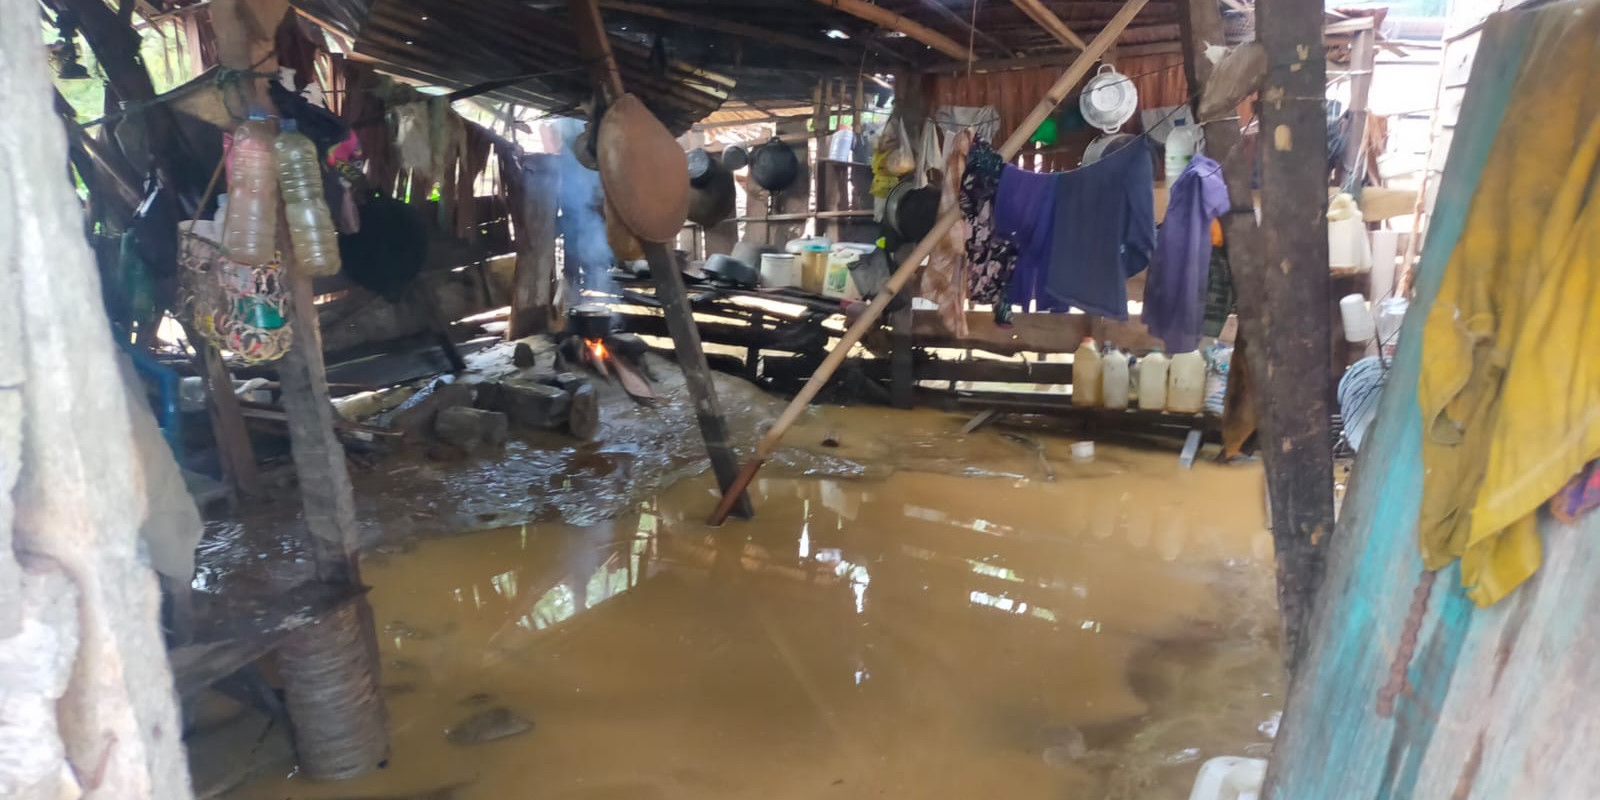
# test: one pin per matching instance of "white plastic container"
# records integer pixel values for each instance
(1186, 383)
(1153, 381)
(1180, 144)
(1086, 375)
(1391, 315)
(1230, 778)
(1114, 384)
(1358, 325)
(1083, 452)
(780, 269)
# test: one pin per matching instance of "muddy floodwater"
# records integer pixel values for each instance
(941, 619)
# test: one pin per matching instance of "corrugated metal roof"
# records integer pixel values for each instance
(463, 43)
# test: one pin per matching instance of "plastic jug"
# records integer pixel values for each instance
(1186, 383)
(836, 281)
(814, 268)
(1180, 149)
(1153, 381)
(1114, 379)
(1086, 375)
(316, 243)
(250, 234)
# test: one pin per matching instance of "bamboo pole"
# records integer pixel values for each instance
(1051, 23)
(938, 7)
(885, 18)
(1057, 93)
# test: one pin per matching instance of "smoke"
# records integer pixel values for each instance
(582, 223)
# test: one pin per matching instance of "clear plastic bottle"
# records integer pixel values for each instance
(251, 230)
(1086, 375)
(316, 242)
(1114, 384)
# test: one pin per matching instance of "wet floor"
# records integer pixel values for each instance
(949, 623)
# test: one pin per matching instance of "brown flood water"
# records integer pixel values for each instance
(922, 635)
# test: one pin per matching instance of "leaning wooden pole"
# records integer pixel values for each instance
(1295, 339)
(1052, 98)
(670, 290)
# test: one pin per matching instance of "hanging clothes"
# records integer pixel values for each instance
(1024, 213)
(1175, 290)
(991, 259)
(944, 279)
(1580, 496)
(982, 121)
(1219, 286)
(1105, 230)
(1510, 378)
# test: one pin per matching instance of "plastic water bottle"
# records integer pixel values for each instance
(250, 234)
(1086, 375)
(1180, 149)
(1153, 381)
(1186, 383)
(316, 243)
(1114, 379)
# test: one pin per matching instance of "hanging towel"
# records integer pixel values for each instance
(944, 278)
(1510, 379)
(1105, 228)
(1175, 290)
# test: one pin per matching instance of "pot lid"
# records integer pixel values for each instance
(1109, 99)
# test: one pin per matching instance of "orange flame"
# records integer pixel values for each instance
(597, 348)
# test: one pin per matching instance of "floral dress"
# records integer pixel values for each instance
(991, 259)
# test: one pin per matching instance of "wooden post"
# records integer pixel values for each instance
(1294, 327)
(234, 449)
(1363, 57)
(820, 99)
(596, 49)
(534, 194)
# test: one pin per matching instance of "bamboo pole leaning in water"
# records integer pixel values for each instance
(1052, 98)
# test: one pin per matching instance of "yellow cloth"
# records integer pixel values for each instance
(1510, 380)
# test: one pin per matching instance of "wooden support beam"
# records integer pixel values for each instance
(738, 29)
(1294, 327)
(670, 291)
(884, 18)
(943, 11)
(1052, 24)
(1053, 97)
(1363, 55)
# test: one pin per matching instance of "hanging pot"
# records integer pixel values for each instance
(735, 157)
(712, 201)
(911, 212)
(700, 166)
(774, 166)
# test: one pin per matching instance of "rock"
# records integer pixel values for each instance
(522, 355)
(583, 419)
(415, 417)
(469, 428)
(628, 344)
(568, 381)
(527, 402)
(488, 726)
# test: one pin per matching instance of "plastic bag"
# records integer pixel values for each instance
(899, 157)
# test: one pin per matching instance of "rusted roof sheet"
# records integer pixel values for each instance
(460, 44)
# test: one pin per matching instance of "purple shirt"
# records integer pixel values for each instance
(1175, 290)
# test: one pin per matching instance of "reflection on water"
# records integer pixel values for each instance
(922, 636)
